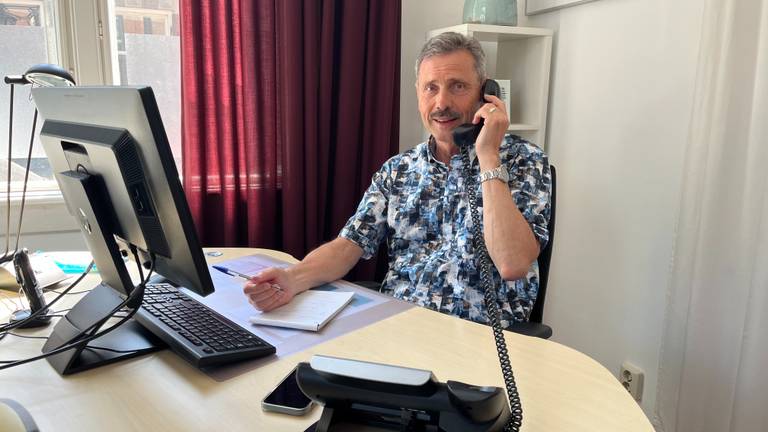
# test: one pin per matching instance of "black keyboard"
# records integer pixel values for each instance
(197, 333)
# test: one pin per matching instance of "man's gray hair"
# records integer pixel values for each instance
(446, 43)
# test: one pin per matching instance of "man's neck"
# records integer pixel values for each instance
(444, 150)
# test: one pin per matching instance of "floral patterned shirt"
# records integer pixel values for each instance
(420, 206)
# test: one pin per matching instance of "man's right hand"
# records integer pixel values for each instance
(275, 287)
(271, 289)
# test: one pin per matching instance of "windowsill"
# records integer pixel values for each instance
(45, 212)
(35, 198)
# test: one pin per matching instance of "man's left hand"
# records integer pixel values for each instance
(496, 123)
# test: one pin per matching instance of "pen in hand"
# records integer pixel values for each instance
(231, 272)
(240, 275)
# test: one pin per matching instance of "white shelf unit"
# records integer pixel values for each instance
(522, 55)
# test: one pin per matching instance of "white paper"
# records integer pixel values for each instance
(309, 310)
(366, 307)
(229, 300)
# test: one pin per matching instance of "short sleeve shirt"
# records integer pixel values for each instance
(419, 206)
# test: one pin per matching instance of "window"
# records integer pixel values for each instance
(142, 48)
(29, 30)
(100, 42)
(148, 53)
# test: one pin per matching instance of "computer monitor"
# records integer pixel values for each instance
(110, 155)
(88, 118)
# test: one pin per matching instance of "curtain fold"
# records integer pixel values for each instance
(715, 346)
(288, 108)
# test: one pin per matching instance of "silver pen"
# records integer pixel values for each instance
(241, 275)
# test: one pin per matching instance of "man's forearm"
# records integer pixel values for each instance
(510, 241)
(327, 263)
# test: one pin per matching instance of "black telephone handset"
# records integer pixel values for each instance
(25, 276)
(466, 134)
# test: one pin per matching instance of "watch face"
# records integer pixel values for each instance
(504, 174)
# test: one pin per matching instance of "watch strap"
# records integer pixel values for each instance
(500, 172)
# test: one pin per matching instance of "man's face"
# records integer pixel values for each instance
(448, 89)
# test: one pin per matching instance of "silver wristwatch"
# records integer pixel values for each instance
(500, 172)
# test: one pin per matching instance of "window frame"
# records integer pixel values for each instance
(85, 49)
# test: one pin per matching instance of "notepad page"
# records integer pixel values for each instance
(310, 310)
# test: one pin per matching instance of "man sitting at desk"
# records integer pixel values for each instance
(417, 201)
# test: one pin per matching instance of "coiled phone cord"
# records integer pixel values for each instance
(489, 295)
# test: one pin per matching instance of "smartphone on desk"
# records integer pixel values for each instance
(287, 398)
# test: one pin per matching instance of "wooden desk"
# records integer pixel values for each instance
(561, 389)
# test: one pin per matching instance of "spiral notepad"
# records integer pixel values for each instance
(310, 310)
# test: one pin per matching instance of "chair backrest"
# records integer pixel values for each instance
(546, 254)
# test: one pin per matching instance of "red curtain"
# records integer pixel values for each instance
(288, 107)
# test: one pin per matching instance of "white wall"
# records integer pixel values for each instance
(620, 101)
(619, 115)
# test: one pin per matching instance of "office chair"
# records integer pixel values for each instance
(534, 326)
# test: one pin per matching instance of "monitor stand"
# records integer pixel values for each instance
(128, 340)
(88, 201)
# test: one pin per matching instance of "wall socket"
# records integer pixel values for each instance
(631, 377)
